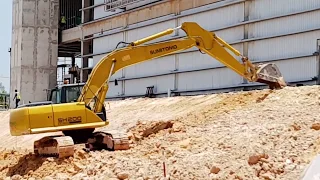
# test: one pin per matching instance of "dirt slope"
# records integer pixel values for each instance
(246, 135)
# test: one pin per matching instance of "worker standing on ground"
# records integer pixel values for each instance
(63, 22)
(17, 97)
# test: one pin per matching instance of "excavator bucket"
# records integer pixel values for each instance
(269, 74)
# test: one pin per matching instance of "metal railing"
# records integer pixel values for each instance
(111, 5)
(4, 101)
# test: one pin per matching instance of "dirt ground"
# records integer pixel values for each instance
(245, 135)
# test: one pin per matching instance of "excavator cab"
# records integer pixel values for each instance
(65, 93)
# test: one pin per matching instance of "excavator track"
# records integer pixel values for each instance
(54, 146)
(111, 141)
(63, 146)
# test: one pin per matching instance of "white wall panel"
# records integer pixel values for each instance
(259, 50)
(107, 43)
(284, 47)
(285, 25)
(154, 66)
(266, 8)
(216, 18)
(143, 32)
(299, 69)
(115, 90)
(96, 59)
(139, 86)
(100, 12)
(232, 34)
(197, 60)
(214, 78)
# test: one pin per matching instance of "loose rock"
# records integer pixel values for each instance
(215, 170)
(315, 126)
(122, 175)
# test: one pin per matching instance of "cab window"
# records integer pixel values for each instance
(55, 96)
(72, 93)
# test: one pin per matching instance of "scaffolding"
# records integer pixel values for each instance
(112, 5)
(61, 72)
(79, 12)
(4, 101)
(70, 10)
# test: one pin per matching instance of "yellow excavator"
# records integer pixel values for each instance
(79, 119)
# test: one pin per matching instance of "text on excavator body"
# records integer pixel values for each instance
(70, 120)
(163, 49)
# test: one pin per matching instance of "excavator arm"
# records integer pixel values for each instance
(97, 85)
(78, 120)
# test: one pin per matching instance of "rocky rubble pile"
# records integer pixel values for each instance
(246, 135)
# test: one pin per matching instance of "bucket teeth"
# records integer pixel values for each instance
(270, 74)
(54, 146)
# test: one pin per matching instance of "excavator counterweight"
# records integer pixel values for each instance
(78, 120)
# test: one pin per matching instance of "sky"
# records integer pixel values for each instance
(5, 39)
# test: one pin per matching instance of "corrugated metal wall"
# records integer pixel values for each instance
(281, 31)
(284, 47)
(260, 9)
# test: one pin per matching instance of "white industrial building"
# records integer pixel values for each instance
(285, 32)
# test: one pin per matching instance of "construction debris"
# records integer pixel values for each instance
(245, 135)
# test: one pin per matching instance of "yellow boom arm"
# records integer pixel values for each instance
(97, 85)
(78, 120)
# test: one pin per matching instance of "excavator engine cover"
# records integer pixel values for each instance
(269, 74)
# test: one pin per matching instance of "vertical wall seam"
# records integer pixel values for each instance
(176, 56)
(318, 59)
(246, 15)
(35, 47)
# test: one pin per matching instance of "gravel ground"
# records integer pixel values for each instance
(245, 135)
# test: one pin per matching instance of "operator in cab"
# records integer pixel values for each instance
(17, 97)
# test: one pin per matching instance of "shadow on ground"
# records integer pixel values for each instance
(27, 163)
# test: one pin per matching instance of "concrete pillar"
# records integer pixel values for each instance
(34, 48)
(88, 13)
(85, 61)
(73, 62)
(85, 44)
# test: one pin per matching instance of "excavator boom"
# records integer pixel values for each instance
(78, 120)
(97, 85)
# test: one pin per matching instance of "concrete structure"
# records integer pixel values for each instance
(285, 32)
(34, 50)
